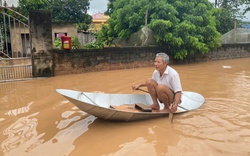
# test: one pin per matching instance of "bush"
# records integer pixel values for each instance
(58, 43)
(75, 43)
(93, 45)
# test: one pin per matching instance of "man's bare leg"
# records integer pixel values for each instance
(152, 85)
(165, 95)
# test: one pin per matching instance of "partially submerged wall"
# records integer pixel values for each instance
(40, 34)
(80, 61)
(226, 51)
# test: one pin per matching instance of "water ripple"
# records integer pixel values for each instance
(221, 123)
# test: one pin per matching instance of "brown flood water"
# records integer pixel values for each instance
(36, 121)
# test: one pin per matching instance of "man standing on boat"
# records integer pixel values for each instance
(165, 85)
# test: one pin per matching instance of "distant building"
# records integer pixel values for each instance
(97, 21)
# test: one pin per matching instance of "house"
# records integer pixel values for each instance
(97, 21)
(17, 43)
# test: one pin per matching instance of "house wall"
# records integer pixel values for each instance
(19, 44)
(15, 36)
(98, 20)
(68, 28)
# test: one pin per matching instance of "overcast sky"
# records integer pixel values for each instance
(98, 6)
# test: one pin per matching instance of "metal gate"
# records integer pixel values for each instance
(16, 72)
(15, 52)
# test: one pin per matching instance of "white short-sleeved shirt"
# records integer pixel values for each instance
(170, 78)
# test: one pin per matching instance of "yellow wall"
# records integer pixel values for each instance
(97, 21)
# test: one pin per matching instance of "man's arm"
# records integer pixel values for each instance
(136, 87)
(177, 98)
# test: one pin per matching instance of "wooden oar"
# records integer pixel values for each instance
(171, 114)
(143, 90)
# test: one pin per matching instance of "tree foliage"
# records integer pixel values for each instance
(247, 3)
(224, 16)
(236, 8)
(230, 12)
(73, 11)
(185, 27)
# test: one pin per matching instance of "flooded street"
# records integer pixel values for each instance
(37, 121)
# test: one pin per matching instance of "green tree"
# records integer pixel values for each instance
(247, 3)
(224, 16)
(25, 5)
(185, 27)
(105, 36)
(230, 12)
(73, 11)
(236, 8)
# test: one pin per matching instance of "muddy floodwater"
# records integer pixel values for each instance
(37, 121)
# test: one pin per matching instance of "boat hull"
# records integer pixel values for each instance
(106, 106)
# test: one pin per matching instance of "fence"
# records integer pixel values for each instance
(15, 72)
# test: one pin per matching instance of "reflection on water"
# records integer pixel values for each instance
(35, 120)
(21, 110)
(19, 133)
(22, 136)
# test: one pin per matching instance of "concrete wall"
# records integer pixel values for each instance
(226, 51)
(85, 38)
(15, 61)
(230, 51)
(80, 61)
(40, 35)
(40, 31)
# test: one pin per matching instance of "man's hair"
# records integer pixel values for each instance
(164, 56)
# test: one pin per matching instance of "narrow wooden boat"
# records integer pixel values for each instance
(124, 107)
